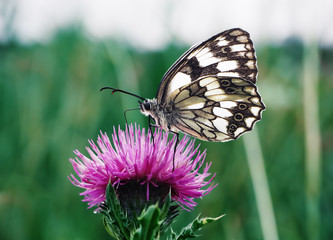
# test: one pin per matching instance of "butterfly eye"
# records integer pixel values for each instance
(146, 106)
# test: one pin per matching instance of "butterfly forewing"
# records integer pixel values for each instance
(229, 54)
(210, 91)
(215, 108)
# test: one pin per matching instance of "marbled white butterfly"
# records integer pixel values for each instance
(209, 92)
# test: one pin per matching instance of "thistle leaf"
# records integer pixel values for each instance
(149, 224)
(115, 220)
(190, 229)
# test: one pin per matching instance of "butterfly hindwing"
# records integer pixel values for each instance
(229, 54)
(216, 108)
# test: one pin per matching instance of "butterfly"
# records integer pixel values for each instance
(209, 92)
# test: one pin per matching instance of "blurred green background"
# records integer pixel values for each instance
(50, 104)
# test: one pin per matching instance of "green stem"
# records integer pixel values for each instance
(312, 139)
(260, 185)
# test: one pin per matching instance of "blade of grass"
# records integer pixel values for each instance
(126, 75)
(312, 139)
(260, 185)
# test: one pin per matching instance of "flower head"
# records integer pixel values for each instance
(142, 168)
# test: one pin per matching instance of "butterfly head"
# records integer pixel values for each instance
(147, 106)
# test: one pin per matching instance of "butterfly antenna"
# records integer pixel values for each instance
(119, 90)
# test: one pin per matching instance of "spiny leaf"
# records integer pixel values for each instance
(189, 230)
(149, 224)
(115, 219)
(166, 206)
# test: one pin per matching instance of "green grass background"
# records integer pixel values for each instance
(50, 104)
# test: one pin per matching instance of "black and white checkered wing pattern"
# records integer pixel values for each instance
(216, 108)
(229, 54)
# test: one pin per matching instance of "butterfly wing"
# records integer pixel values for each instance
(229, 53)
(215, 108)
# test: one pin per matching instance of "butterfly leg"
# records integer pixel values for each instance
(151, 128)
(175, 148)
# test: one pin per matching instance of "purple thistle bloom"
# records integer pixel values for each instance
(136, 162)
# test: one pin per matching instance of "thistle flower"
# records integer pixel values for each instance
(141, 169)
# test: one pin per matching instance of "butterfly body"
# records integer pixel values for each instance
(210, 92)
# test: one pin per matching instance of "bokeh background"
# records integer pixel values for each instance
(273, 183)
